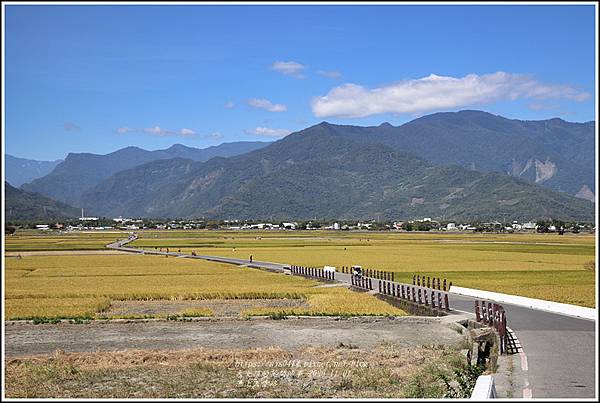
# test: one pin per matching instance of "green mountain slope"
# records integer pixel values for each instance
(25, 206)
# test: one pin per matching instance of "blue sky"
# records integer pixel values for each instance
(98, 78)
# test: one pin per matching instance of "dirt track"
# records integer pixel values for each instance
(28, 339)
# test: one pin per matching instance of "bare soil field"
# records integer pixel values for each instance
(364, 332)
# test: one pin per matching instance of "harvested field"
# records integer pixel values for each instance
(217, 307)
(29, 339)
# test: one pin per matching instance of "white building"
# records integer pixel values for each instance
(336, 226)
(451, 226)
(84, 218)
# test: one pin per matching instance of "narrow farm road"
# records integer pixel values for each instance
(560, 350)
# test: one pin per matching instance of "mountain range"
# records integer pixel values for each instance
(462, 165)
(82, 171)
(21, 170)
(552, 153)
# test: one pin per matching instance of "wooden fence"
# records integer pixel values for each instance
(493, 315)
(312, 272)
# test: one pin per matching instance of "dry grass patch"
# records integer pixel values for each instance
(388, 371)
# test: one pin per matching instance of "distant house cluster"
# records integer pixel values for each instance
(422, 224)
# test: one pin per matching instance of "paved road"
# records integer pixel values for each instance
(560, 350)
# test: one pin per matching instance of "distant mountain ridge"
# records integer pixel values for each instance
(25, 206)
(325, 172)
(467, 164)
(553, 153)
(22, 170)
(82, 171)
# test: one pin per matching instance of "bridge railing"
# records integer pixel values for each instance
(372, 273)
(313, 272)
(431, 282)
(437, 299)
(494, 316)
(365, 283)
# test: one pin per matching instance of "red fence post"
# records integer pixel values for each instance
(446, 302)
(477, 313)
(414, 279)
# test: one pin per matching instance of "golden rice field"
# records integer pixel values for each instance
(83, 286)
(545, 266)
(31, 240)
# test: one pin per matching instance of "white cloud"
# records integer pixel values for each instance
(214, 136)
(158, 131)
(267, 105)
(267, 132)
(155, 130)
(437, 93)
(123, 130)
(329, 74)
(290, 68)
(186, 132)
(229, 105)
